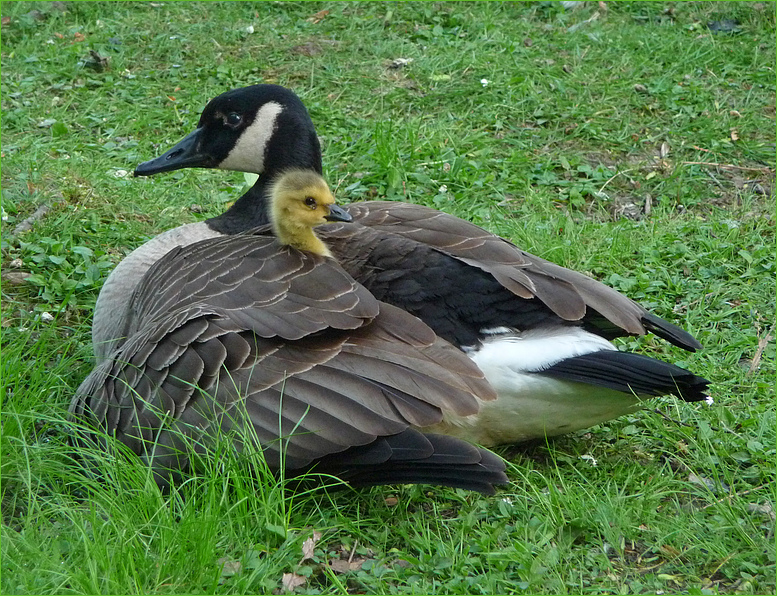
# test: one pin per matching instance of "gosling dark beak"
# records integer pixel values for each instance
(337, 213)
(186, 154)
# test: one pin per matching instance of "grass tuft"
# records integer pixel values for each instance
(632, 141)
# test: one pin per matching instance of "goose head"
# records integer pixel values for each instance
(300, 200)
(262, 129)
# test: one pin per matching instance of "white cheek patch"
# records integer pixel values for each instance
(248, 153)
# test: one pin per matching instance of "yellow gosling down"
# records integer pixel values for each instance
(300, 201)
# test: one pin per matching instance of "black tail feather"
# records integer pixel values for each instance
(628, 372)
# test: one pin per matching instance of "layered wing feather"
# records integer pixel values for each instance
(304, 358)
(570, 295)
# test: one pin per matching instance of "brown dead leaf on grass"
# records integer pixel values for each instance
(318, 17)
(309, 546)
(762, 343)
(292, 581)
(344, 566)
(309, 48)
(15, 278)
(97, 62)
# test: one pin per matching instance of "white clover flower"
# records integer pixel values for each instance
(484, 82)
(443, 189)
(709, 400)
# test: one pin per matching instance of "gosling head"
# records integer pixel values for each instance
(299, 201)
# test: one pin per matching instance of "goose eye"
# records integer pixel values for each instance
(310, 202)
(234, 119)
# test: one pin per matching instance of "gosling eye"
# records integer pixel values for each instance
(311, 202)
(234, 119)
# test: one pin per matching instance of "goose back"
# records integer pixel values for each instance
(239, 332)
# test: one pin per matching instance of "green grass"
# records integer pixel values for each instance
(558, 151)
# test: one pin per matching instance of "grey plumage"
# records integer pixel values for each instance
(518, 316)
(242, 330)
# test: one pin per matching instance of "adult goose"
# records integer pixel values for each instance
(265, 331)
(538, 331)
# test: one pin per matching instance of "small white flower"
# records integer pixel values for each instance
(443, 189)
(709, 400)
(589, 458)
(484, 82)
(120, 173)
(47, 317)
(250, 29)
(507, 500)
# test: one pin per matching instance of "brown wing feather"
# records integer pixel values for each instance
(312, 367)
(571, 295)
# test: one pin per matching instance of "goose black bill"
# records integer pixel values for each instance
(187, 153)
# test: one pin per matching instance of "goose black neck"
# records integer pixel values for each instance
(297, 148)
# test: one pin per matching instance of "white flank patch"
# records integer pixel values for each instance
(248, 153)
(535, 350)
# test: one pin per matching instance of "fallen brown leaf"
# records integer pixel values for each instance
(309, 546)
(292, 581)
(669, 550)
(5, 21)
(15, 278)
(307, 49)
(97, 62)
(734, 134)
(391, 501)
(343, 566)
(318, 17)
(79, 36)
(762, 343)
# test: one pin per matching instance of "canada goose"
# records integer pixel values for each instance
(539, 332)
(266, 330)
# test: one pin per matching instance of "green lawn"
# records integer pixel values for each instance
(629, 141)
